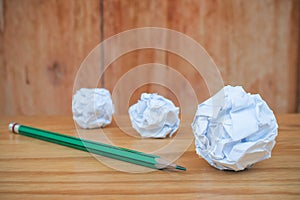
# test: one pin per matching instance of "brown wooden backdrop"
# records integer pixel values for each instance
(43, 42)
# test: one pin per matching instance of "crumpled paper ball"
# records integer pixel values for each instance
(237, 133)
(92, 108)
(154, 116)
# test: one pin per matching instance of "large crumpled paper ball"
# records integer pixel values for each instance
(234, 130)
(154, 116)
(92, 108)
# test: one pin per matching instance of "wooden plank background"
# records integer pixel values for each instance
(43, 42)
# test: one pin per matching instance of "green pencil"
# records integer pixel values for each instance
(119, 153)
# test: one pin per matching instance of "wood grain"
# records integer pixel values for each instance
(129, 15)
(42, 44)
(34, 169)
(246, 39)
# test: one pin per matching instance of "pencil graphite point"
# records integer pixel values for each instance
(180, 168)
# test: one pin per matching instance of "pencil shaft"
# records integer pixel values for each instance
(119, 153)
(90, 146)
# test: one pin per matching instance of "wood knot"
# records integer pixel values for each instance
(56, 73)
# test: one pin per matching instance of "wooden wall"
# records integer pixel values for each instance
(43, 42)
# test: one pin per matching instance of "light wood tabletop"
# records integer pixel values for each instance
(34, 169)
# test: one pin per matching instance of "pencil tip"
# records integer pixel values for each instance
(180, 168)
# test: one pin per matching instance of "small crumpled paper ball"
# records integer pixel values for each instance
(236, 133)
(154, 116)
(92, 108)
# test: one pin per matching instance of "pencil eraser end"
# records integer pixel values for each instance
(10, 126)
(14, 127)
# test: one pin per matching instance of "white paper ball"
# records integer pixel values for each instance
(233, 129)
(154, 116)
(92, 108)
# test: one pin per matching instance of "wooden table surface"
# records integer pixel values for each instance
(34, 169)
